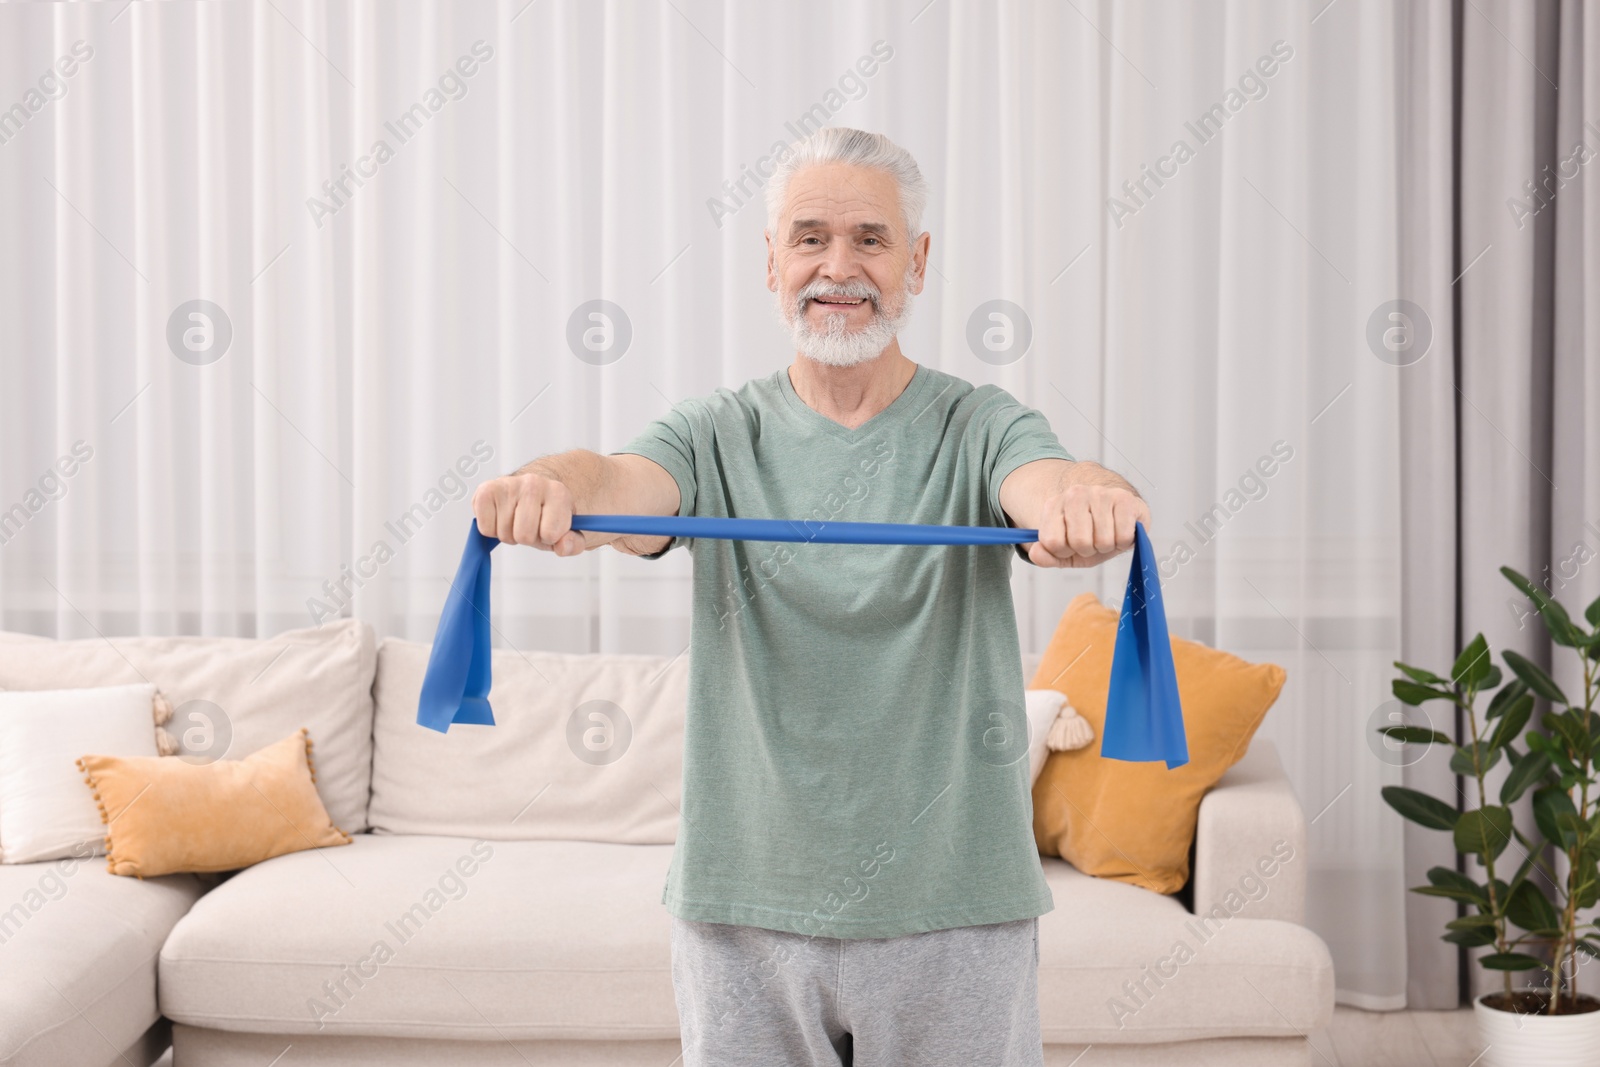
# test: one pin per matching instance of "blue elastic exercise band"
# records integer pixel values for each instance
(1144, 720)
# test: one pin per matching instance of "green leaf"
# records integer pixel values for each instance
(1470, 938)
(1522, 873)
(1551, 613)
(1472, 922)
(1448, 882)
(1485, 831)
(1414, 735)
(1504, 697)
(1569, 770)
(1510, 961)
(1461, 762)
(1530, 909)
(1511, 723)
(1449, 876)
(1412, 693)
(1541, 743)
(1548, 804)
(1524, 773)
(1417, 674)
(1420, 808)
(1446, 892)
(1586, 890)
(1588, 732)
(1592, 612)
(1472, 666)
(1568, 728)
(1572, 823)
(1533, 676)
(1529, 590)
(1563, 631)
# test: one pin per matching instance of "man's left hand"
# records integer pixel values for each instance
(1085, 525)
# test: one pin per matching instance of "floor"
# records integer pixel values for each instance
(1358, 1038)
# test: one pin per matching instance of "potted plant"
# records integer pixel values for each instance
(1532, 919)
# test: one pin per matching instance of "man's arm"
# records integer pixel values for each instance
(1084, 513)
(535, 505)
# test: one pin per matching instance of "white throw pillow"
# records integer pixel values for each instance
(1043, 707)
(47, 810)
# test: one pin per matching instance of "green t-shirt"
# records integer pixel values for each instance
(855, 751)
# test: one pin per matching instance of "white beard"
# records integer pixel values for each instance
(835, 344)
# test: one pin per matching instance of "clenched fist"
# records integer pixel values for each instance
(528, 509)
(1085, 525)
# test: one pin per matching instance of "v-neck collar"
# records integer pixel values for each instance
(919, 377)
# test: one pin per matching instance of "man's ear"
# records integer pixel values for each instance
(919, 257)
(772, 262)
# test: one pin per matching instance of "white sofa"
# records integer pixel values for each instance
(501, 901)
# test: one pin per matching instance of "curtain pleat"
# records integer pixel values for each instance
(1507, 433)
(1424, 221)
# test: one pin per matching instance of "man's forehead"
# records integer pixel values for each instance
(842, 195)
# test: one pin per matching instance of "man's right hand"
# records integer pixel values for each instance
(528, 509)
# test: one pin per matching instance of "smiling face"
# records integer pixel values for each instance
(841, 263)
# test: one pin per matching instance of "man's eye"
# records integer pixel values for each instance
(873, 240)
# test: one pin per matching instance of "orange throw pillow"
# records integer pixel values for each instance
(164, 814)
(1134, 822)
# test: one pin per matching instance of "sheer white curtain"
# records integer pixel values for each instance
(404, 216)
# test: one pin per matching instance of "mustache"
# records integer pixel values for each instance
(856, 290)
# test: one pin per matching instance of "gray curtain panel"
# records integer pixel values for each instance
(1501, 456)
(1425, 172)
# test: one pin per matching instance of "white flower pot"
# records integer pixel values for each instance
(1513, 1040)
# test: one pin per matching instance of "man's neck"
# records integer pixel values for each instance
(852, 395)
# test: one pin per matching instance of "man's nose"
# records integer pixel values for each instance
(841, 262)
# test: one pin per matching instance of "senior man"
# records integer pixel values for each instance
(855, 879)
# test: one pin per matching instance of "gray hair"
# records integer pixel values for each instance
(840, 144)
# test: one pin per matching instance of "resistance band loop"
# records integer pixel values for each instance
(1144, 720)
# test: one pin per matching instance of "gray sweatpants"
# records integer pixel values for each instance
(963, 997)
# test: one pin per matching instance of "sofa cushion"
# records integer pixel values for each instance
(597, 739)
(569, 940)
(1118, 963)
(433, 937)
(78, 952)
(235, 695)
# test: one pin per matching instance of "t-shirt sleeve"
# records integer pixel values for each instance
(1015, 434)
(669, 441)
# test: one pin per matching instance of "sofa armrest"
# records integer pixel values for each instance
(1250, 843)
